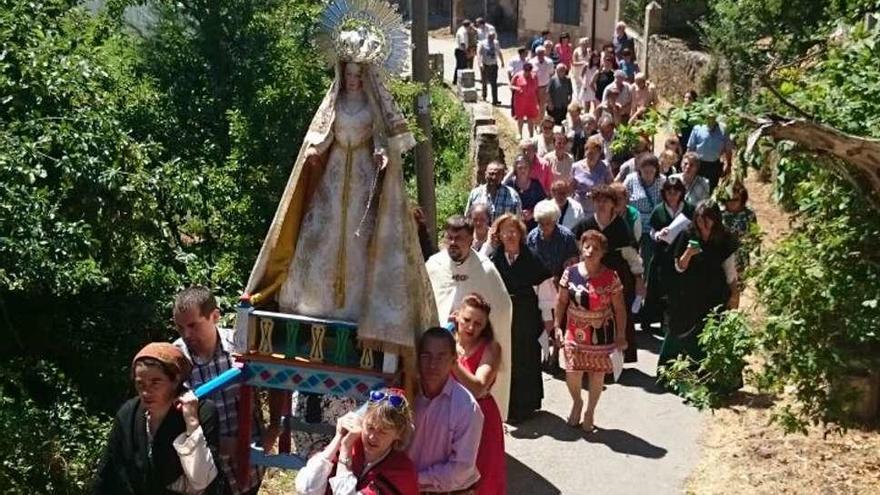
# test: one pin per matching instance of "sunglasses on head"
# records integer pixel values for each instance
(396, 399)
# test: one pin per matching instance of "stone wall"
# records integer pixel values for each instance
(485, 147)
(674, 68)
(677, 17)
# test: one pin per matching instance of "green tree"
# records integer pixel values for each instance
(130, 166)
(756, 37)
(821, 284)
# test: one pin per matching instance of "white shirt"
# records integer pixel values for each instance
(543, 70)
(461, 38)
(515, 66)
(199, 466)
(625, 96)
(483, 32)
(451, 282)
(489, 53)
(573, 214)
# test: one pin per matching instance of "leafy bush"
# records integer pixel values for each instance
(678, 16)
(821, 288)
(46, 424)
(129, 167)
(626, 136)
(452, 166)
(727, 340)
(133, 163)
(450, 138)
(821, 284)
(753, 35)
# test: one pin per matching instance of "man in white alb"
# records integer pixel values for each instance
(458, 271)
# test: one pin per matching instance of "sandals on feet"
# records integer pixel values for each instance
(575, 414)
(588, 425)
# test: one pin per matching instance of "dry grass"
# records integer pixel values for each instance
(278, 482)
(743, 453)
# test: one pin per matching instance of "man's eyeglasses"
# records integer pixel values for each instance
(396, 400)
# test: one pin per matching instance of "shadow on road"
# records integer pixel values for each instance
(648, 342)
(634, 377)
(521, 479)
(544, 423)
(626, 443)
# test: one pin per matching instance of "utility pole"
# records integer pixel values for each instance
(424, 153)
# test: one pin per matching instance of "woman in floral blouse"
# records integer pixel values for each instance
(742, 222)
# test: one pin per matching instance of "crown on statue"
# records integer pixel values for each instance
(365, 31)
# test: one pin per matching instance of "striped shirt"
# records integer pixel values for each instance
(225, 399)
(505, 200)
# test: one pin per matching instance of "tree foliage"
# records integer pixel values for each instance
(757, 36)
(727, 340)
(131, 166)
(136, 160)
(46, 425)
(821, 284)
(450, 140)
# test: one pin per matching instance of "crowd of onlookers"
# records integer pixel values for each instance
(555, 265)
(593, 247)
(568, 84)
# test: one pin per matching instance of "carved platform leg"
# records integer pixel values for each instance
(342, 345)
(284, 440)
(252, 333)
(318, 334)
(367, 359)
(266, 328)
(242, 316)
(389, 363)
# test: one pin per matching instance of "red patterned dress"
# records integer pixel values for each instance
(490, 456)
(589, 331)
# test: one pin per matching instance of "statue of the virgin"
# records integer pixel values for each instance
(343, 244)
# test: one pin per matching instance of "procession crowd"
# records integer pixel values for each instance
(553, 266)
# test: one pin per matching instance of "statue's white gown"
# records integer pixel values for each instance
(328, 272)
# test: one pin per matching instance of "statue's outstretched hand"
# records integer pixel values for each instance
(313, 158)
(380, 159)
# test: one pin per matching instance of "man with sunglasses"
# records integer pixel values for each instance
(448, 421)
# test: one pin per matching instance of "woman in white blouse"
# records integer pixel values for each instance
(366, 456)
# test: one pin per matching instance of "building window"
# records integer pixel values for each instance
(567, 12)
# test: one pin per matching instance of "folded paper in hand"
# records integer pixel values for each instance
(679, 223)
(616, 363)
(637, 304)
(544, 341)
